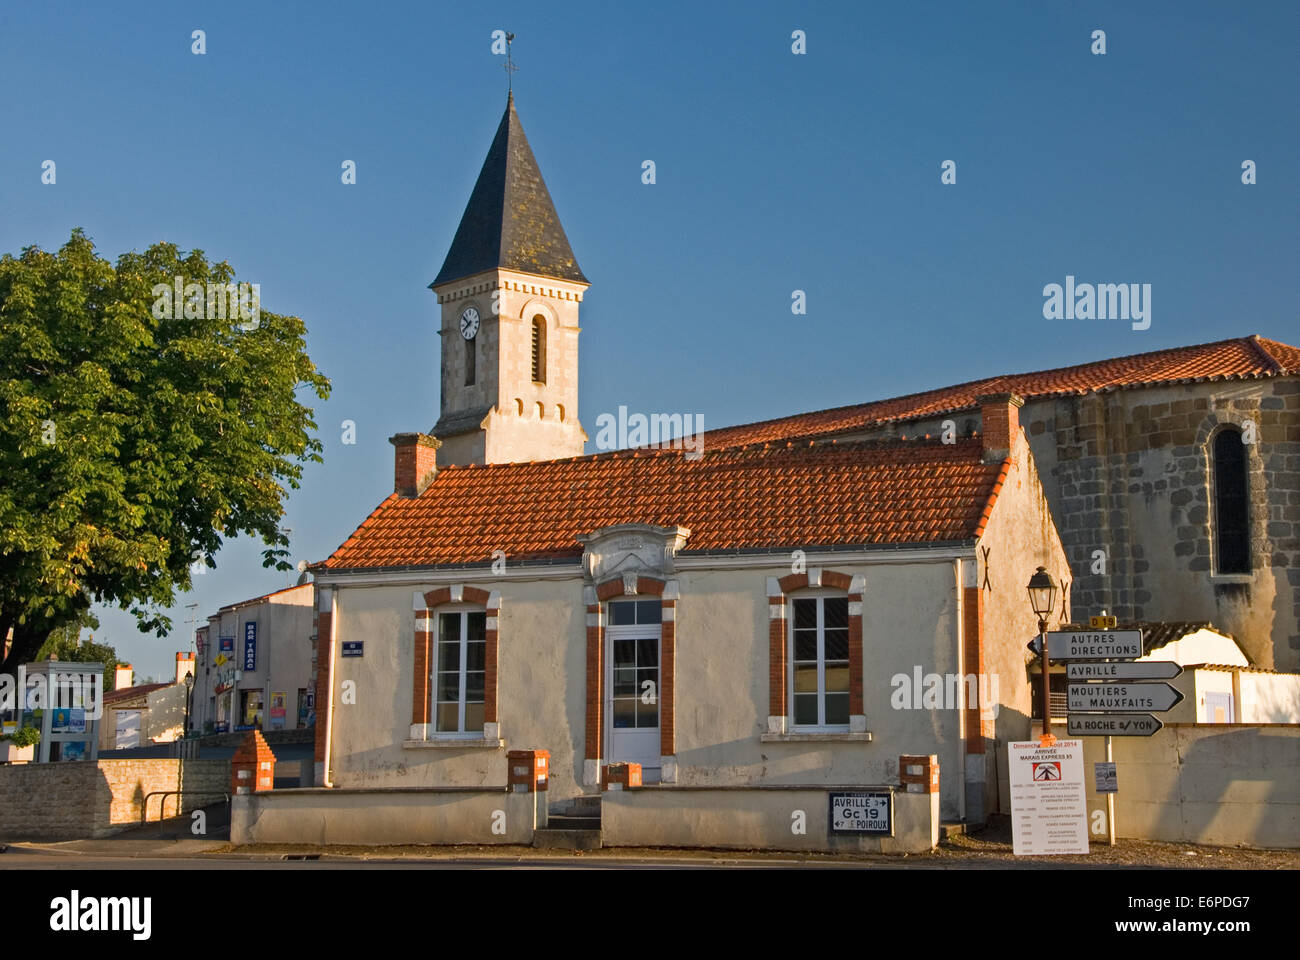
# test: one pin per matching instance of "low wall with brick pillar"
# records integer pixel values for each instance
(475, 815)
(759, 818)
(252, 768)
(919, 776)
(621, 776)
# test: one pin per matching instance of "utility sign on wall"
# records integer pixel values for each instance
(862, 813)
(1107, 778)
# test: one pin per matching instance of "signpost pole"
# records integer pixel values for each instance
(1047, 684)
(1110, 798)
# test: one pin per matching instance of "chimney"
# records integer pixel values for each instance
(125, 677)
(184, 666)
(999, 424)
(415, 462)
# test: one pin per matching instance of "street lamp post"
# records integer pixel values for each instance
(189, 699)
(1042, 596)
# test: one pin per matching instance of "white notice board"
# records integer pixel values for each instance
(1049, 808)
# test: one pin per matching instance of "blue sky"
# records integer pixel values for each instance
(775, 172)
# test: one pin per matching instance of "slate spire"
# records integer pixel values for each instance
(510, 221)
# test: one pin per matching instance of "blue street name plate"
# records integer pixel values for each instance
(868, 811)
(354, 648)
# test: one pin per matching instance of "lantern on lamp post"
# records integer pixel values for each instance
(1042, 597)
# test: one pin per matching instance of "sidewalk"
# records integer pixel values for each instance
(990, 848)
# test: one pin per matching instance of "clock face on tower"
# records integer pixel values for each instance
(469, 323)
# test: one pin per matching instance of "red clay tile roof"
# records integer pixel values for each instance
(130, 693)
(760, 497)
(1242, 358)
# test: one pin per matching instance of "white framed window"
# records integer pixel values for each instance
(460, 669)
(819, 662)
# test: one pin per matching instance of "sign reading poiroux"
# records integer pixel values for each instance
(862, 813)
(1049, 806)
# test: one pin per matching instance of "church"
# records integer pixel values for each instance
(729, 617)
(735, 616)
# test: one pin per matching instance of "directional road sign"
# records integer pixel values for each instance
(1115, 697)
(1095, 644)
(1141, 670)
(1112, 725)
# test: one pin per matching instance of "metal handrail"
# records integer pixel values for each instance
(144, 805)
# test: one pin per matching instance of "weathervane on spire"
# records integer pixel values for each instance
(509, 65)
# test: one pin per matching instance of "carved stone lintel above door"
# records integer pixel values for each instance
(631, 548)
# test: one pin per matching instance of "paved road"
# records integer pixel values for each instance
(17, 859)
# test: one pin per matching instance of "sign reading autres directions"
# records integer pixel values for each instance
(1095, 644)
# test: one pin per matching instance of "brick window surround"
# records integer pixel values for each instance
(779, 722)
(620, 587)
(425, 607)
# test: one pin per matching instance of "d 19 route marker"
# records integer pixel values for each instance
(1112, 725)
(1106, 670)
(1113, 697)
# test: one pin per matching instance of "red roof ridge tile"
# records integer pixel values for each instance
(882, 491)
(1279, 359)
(1263, 344)
(992, 500)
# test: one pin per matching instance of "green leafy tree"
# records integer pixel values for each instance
(66, 644)
(132, 445)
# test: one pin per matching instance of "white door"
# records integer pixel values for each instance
(632, 684)
(128, 729)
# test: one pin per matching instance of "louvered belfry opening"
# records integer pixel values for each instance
(539, 349)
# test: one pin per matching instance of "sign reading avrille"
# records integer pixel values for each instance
(866, 812)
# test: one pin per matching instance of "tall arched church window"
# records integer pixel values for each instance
(1231, 504)
(539, 349)
(471, 361)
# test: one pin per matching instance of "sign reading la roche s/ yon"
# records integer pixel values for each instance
(250, 645)
(1049, 806)
(1112, 725)
(862, 812)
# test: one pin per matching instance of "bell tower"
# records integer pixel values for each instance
(509, 291)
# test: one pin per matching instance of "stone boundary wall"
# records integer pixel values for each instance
(1222, 783)
(322, 815)
(758, 818)
(273, 737)
(78, 800)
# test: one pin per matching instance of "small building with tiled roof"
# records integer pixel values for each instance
(1173, 475)
(720, 620)
(143, 714)
(734, 617)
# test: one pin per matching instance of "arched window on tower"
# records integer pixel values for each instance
(471, 360)
(539, 349)
(1231, 504)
